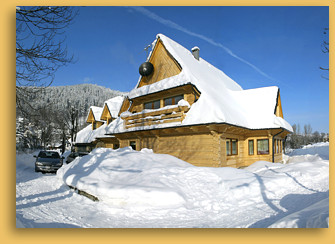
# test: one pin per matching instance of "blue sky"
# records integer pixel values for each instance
(255, 46)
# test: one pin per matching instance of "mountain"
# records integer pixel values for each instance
(81, 96)
(36, 123)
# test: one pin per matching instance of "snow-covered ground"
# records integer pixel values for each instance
(143, 189)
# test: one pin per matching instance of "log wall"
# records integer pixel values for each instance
(203, 148)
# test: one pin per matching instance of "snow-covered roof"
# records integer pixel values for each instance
(114, 104)
(96, 111)
(222, 100)
(87, 135)
(198, 72)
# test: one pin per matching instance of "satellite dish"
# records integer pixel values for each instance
(146, 69)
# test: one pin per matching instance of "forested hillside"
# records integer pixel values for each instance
(63, 97)
(53, 113)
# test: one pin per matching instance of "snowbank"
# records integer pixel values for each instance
(125, 177)
(262, 195)
(145, 190)
(314, 216)
(314, 152)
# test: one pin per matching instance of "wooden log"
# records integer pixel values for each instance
(83, 193)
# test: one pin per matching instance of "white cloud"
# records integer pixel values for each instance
(176, 26)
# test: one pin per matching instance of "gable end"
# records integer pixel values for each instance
(278, 109)
(164, 65)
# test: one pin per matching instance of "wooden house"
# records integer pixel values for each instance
(94, 117)
(93, 135)
(186, 107)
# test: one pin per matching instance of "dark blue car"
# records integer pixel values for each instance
(48, 162)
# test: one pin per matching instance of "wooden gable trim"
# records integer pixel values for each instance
(105, 113)
(90, 117)
(165, 65)
(278, 109)
(125, 106)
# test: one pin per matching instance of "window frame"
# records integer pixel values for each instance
(173, 100)
(152, 104)
(229, 141)
(253, 147)
(277, 146)
(228, 147)
(268, 151)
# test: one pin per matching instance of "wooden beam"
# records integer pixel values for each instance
(184, 130)
(213, 129)
(198, 129)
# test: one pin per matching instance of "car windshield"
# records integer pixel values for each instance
(48, 155)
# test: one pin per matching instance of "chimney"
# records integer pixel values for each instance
(195, 52)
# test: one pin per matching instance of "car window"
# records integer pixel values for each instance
(42, 155)
(55, 155)
(48, 155)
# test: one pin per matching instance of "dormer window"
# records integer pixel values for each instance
(173, 100)
(152, 105)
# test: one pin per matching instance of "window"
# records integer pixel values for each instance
(277, 146)
(228, 151)
(152, 105)
(231, 147)
(47, 154)
(234, 147)
(173, 100)
(132, 144)
(168, 101)
(251, 147)
(262, 146)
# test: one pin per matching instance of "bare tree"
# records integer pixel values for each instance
(67, 121)
(325, 49)
(71, 117)
(40, 48)
(297, 140)
(308, 129)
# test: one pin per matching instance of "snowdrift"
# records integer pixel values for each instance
(262, 195)
(320, 150)
(125, 177)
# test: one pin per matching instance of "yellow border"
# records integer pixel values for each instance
(8, 232)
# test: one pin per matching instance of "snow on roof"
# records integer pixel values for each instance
(97, 111)
(198, 72)
(222, 100)
(114, 104)
(87, 135)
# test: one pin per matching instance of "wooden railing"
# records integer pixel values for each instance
(154, 117)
